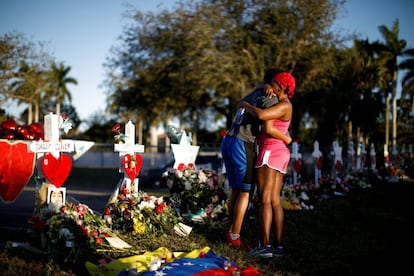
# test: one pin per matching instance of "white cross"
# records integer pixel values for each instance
(351, 156)
(372, 154)
(51, 144)
(316, 154)
(361, 152)
(129, 147)
(296, 156)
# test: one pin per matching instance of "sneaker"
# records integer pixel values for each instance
(263, 252)
(278, 251)
(234, 243)
(228, 237)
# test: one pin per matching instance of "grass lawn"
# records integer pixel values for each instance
(368, 231)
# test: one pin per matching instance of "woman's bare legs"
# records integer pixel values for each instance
(278, 214)
(266, 180)
(269, 184)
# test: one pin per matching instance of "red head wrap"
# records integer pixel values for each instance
(287, 81)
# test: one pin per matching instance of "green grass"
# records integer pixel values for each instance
(365, 232)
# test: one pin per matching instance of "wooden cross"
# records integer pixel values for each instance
(129, 158)
(361, 155)
(337, 153)
(372, 155)
(296, 156)
(351, 156)
(53, 145)
(317, 154)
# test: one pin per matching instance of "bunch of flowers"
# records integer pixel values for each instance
(192, 190)
(140, 213)
(72, 231)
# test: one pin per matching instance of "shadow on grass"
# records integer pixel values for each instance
(365, 232)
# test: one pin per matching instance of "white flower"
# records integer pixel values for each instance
(202, 176)
(187, 185)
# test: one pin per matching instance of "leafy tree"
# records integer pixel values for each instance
(208, 54)
(388, 54)
(30, 88)
(22, 67)
(59, 80)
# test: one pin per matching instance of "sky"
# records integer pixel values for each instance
(80, 33)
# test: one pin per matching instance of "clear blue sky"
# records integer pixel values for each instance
(80, 33)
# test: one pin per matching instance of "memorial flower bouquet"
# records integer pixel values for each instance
(192, 190)
(71, 232)
(140, 214)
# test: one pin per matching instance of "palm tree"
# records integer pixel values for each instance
(30, 88)
(58, 83)
(407, 82)
(388, 55)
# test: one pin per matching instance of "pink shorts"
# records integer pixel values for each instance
(275, 156)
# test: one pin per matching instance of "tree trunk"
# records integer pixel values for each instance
(139, 130)
(394, 109)
(387, 119)
(58, 108)
(29, 113)
(37, 110)
(195, 128)
(154, 138)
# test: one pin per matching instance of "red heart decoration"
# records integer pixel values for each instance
(297, 164)
(182, 166)
(132, 165)
(16, 169)
(319, 163)
(56, 170)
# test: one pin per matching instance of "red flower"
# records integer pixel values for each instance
(116, 128)
(98, 240)
(180, 166)
(95, 233)
(81, 210)
(160, 208)
(85, 231)
(107, 212)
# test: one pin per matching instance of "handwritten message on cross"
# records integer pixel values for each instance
(130, 160)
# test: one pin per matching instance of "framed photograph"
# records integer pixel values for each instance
(133, 186)
(56, 196)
